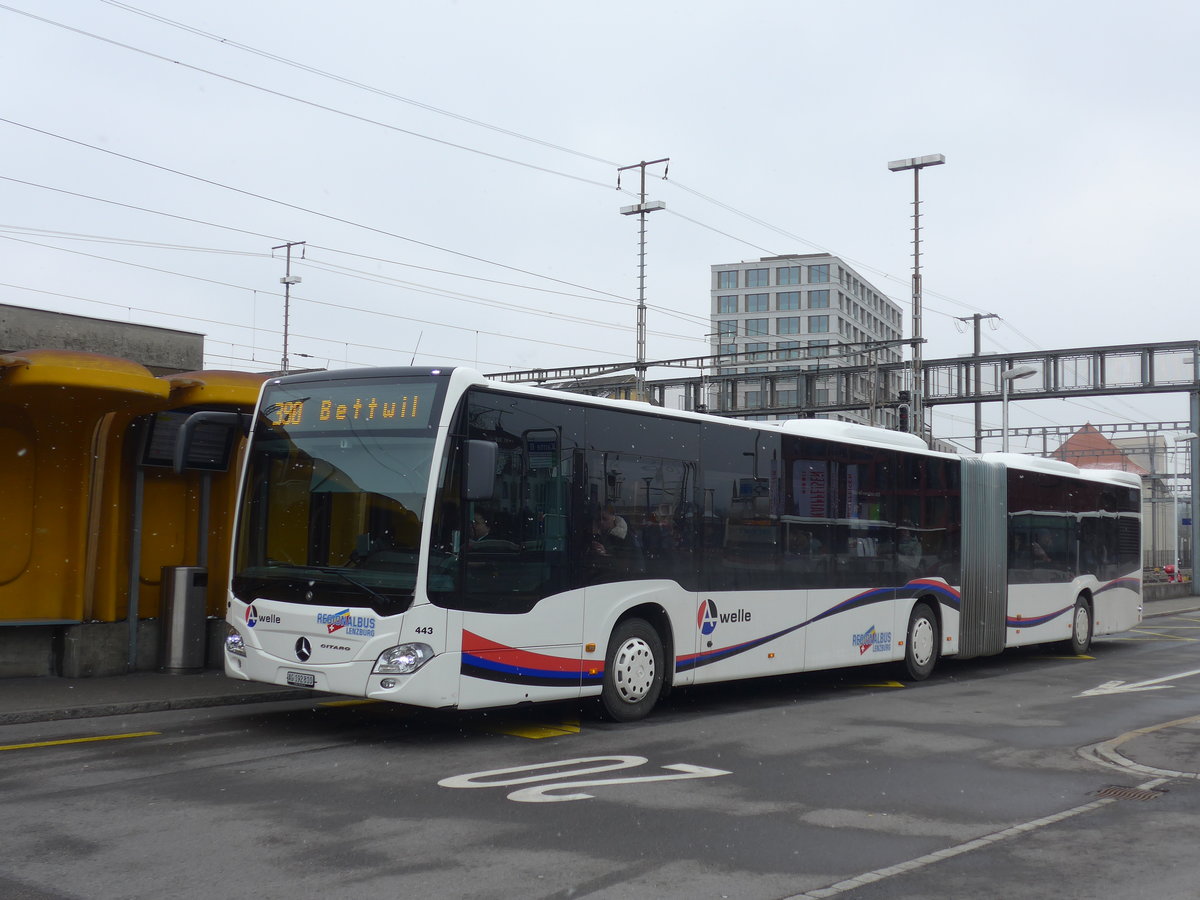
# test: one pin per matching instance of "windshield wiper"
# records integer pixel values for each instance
(365, 588)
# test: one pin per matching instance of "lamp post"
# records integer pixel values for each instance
(917, 163)
(640, 209)
(1005, 377)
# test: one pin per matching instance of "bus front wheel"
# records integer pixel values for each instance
(1081, 626)
(633, 671)
(922, 643)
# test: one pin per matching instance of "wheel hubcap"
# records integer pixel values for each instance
(922, 641)
(633, 670)
(1081, 624)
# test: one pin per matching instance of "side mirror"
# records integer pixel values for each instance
(212, 450)
(480, 469)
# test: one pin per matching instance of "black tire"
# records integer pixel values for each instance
(633, 671)
(1081, 627)
(922, 642)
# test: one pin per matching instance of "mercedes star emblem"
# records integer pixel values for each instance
(303, 649)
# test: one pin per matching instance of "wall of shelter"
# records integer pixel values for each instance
(71, 428)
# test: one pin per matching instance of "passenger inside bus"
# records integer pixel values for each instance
(614, 555)
(612, 533)
(1044, 548)
(480, 528)
(483, 538)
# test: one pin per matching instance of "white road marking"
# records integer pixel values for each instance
(590, 765)
(539, 794)
(937, 856)
(1120, 687)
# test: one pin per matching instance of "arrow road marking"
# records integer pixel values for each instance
(1120, 687)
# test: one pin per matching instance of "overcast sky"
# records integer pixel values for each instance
(452, 168)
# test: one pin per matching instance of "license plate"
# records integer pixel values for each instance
(302, 679)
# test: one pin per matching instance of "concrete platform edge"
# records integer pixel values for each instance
(131, 707)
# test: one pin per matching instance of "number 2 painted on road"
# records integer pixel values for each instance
(590, 765)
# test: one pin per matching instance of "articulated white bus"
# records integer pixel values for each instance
(428, 537)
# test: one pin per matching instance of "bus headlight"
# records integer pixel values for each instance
(402, 660)
(234, 643)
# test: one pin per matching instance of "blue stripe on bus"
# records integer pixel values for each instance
(1129, 583)
(490, 670)
(1031, 621)
(946, 595)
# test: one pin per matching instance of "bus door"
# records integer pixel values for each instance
(522, 614)
(640, 555)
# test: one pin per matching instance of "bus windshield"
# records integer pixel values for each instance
(336, 494)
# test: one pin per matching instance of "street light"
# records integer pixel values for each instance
(1005, 377)
(917, 163)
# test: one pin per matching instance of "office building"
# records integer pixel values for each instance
(783, 320)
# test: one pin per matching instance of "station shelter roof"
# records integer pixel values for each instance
(117, 384)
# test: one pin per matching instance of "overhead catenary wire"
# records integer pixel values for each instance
(271, 237)
(229, 42)
(350, 308)
(417, 134)
(310, 103)
(320, 265)
(205, 320)
(481, 124)
(135, 208)
(623, 302)
(226, 41)
(123, 242)
(125, 262)
(610, 299)
(321, 338)
(317, 264)
(667, 311)
(293, 206)
(362, 86)
(226, 284)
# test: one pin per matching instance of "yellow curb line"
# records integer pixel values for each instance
(85, 740)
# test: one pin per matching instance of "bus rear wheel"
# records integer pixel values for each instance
(922, 643)
(633, 671)
(1081, 626)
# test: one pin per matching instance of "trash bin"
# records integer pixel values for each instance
(182, 620)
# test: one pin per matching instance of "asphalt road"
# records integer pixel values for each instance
(1000, 777)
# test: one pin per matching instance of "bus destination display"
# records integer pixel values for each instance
(318, 407)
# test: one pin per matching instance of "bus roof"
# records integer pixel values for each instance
(1029, 463)
(819, 429)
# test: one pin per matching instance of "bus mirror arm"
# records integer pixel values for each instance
(480, 469)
